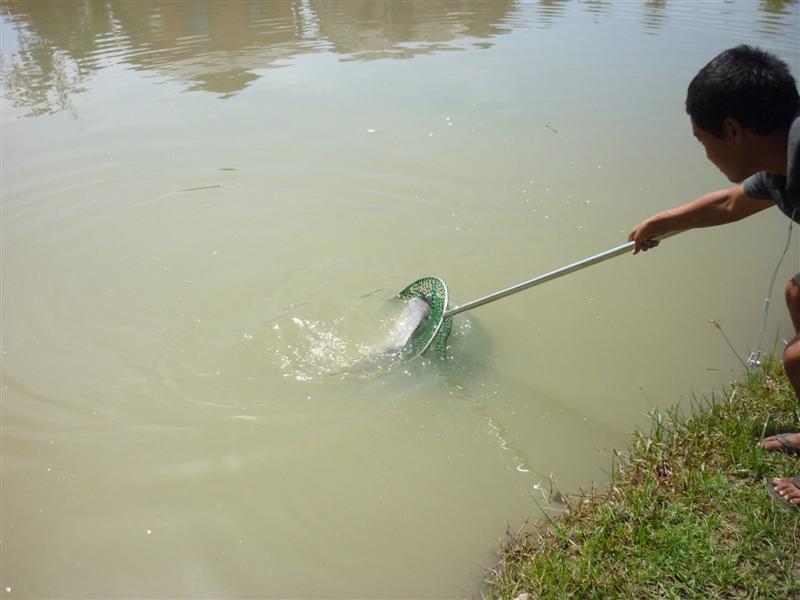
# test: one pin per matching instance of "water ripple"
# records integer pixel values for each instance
(223, 47)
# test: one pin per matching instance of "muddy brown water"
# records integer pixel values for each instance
(206, 210)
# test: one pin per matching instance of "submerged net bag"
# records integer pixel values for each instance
(435, 330)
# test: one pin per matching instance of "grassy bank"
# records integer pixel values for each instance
(686, 516)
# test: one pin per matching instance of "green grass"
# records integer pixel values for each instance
(686, 515)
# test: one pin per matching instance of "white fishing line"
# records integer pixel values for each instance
(754, 360)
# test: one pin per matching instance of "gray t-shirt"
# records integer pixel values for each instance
(782, 190)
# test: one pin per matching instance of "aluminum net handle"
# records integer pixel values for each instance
(565, 270)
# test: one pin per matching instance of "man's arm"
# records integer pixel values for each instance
(716, 208)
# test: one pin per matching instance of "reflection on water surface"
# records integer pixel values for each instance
(221, 46)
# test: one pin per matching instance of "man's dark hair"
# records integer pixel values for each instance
(746, 84)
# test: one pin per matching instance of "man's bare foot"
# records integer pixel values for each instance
(786, 442)
(788, 488)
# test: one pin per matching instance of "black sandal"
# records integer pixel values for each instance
(780, 499)
(788, 445)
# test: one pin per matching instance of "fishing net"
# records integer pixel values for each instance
(435, 330)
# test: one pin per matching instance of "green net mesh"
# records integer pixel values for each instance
(436, 329)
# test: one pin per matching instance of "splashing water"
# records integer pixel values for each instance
(313, 342)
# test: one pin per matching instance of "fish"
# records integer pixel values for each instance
(415, 312)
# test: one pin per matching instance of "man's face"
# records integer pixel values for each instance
(726, 153)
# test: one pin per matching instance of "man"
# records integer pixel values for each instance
(744, 110)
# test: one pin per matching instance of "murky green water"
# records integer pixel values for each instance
(206, 210)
